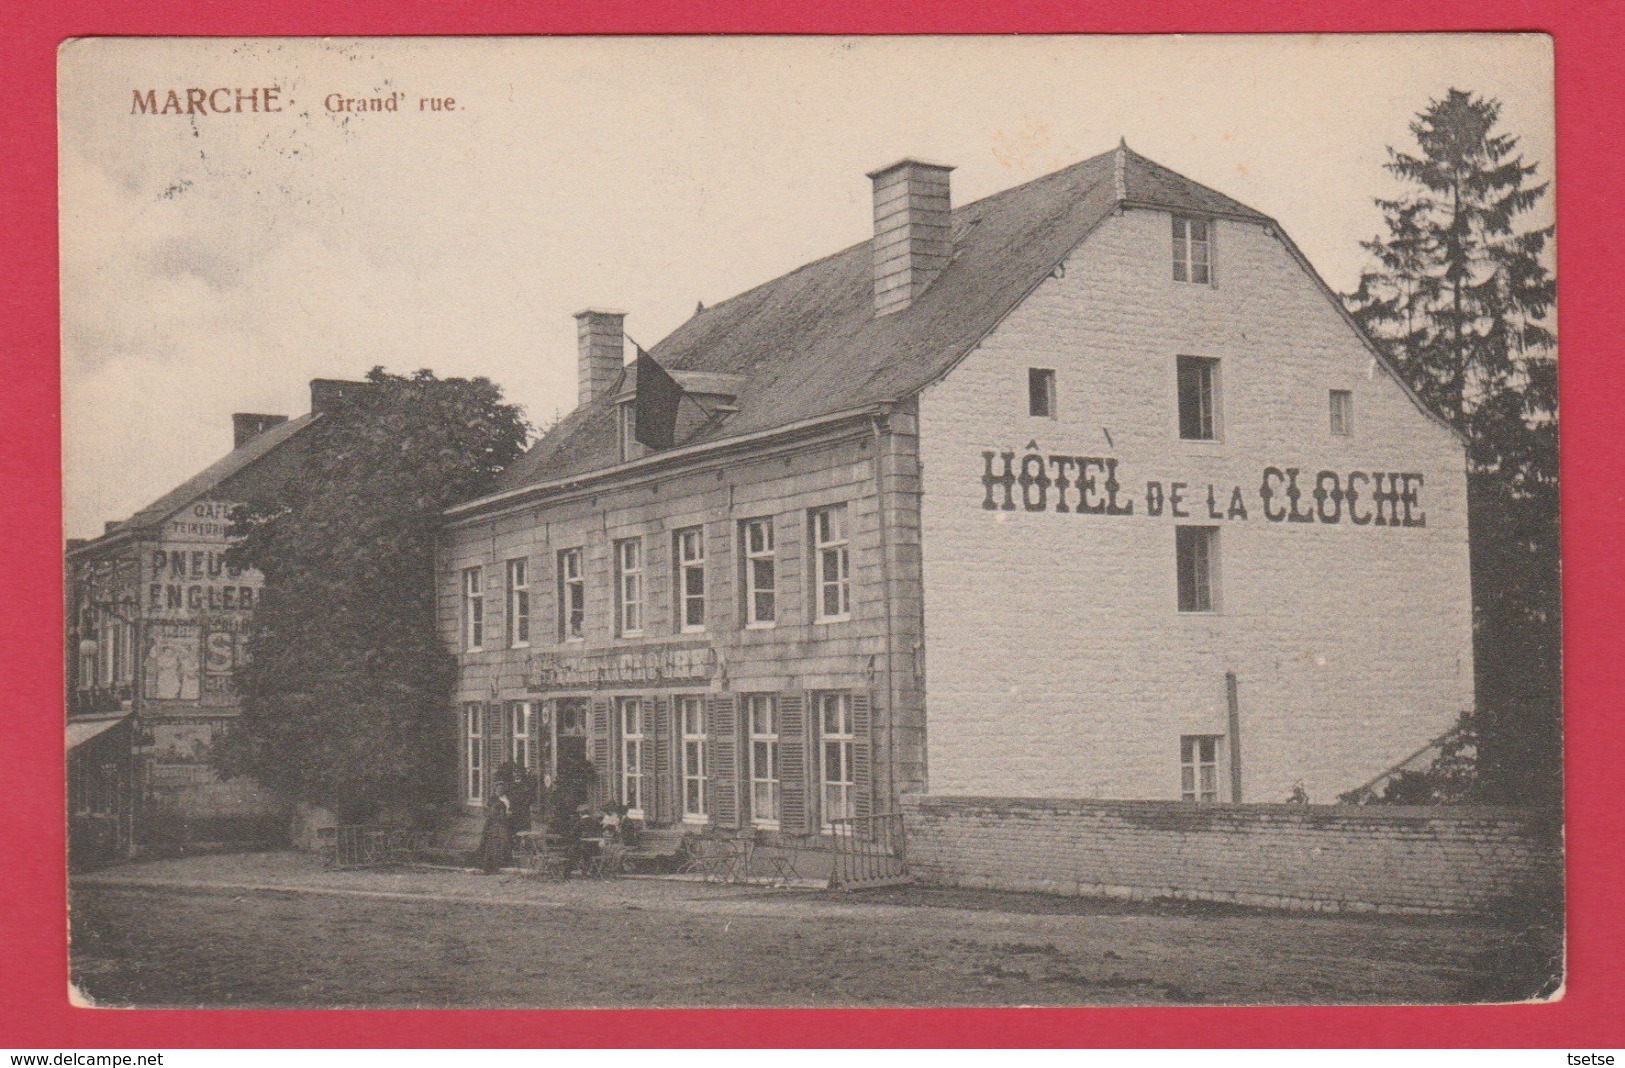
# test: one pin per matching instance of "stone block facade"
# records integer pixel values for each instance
(1307, 857)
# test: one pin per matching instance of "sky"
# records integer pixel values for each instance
(215, 263)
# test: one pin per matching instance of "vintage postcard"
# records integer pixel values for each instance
(746, 521)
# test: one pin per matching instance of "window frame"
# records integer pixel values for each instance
(1042, 392)
(517, 602)
(572, 588)
(845, 741)
(1340, 403)
(1185, 244)
(683, 565)
(474, 608)
(838, 546)
(522, 740)
(1199, 768)
(626, 430)
(632, 771)
(1203, 543)
(629, 577)
(750, 585)
(769, 743)
(1209, 396)
(474, 770)
(697, 743)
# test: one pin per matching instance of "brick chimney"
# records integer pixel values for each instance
(600, 352)
(913, 231)
(246, 426)
(327, 392)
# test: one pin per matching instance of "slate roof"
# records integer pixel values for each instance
(206, 480)
(808, 344)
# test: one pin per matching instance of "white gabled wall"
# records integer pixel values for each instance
(1057, 662)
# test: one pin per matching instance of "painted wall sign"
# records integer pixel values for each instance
(171, 669)
(1089, 485)
(654, 664)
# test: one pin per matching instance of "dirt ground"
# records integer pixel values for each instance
(277, 930)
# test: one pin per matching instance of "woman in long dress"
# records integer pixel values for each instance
(496, 837)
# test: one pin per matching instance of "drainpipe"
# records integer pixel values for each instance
(879, 424)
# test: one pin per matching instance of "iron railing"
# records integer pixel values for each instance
(869, 851)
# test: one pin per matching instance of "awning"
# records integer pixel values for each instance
(82, 729)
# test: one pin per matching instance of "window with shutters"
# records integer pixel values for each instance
(1342, 412)
(762, 728)
(522, 734)
(1193, 250)
(688, 547)
(473, 608)
(1199, 767)
(837, 744)
(629, 715)
(761, 579)
(474, 753)
(1041, 392)
(1198, 382)
(691, 725)
(518, 607)
(1196, 551)
(831, 565)
(629, 587)
(572, 596)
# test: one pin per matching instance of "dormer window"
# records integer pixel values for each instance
(1193, 250)
(627, 423)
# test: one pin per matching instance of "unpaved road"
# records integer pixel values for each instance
(193, 933)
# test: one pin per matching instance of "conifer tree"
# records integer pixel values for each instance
(1461, 300)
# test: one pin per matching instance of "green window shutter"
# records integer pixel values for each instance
(601, 760)
(863, 799)
(792, 764)
(723, 730)
(493, 745)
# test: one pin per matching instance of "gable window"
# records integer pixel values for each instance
(836, 740)
(1196, 552)
(474, 753)
(1192, 250)
(1198, 382)
(1199, 767)
(689, 546)
(831, 565)
(1041, 392)
(756, 541)
(627, 424)
(696, 792)
(572, 596)
(629, 586)
(630, 714)
(521, 734)
(1342, 408)
(473, 608)
(762, 723)
(518, 603)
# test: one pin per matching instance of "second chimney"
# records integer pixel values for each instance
(600, 352)
(913, 231)
(245, 427)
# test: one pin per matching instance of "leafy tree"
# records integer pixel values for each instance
(1460, 298)
(346, 693)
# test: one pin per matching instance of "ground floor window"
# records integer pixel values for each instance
(1199, 767)
(836, 742)
(629, 713)
(474, 753)
(691, 723)
(762, 723)
(522, 735)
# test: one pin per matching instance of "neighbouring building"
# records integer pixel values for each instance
(1086, 489)
(156, 625)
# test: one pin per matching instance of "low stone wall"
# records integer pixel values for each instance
(1442, 859)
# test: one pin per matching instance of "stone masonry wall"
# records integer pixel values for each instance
(1057, 661)
(1324, 858)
